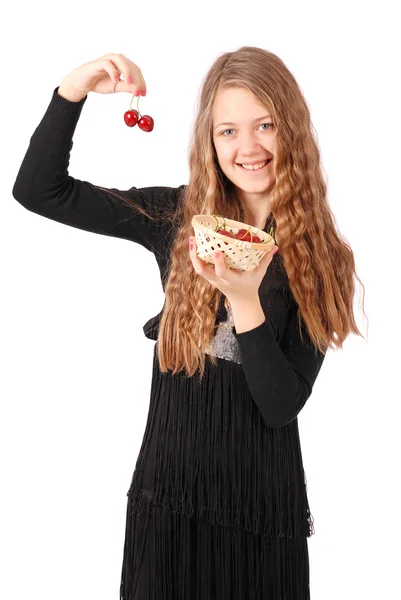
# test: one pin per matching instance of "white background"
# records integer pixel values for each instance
(75, 364)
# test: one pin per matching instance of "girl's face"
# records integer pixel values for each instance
(243, 133)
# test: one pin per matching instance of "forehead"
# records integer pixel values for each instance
(236, 104)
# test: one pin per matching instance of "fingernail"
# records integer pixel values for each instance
(129, 79)
(191, 244)
(217, 254)
(143, 92)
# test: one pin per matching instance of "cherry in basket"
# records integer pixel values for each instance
(243, 234)
(246, 236)
(227, 233)
(132, 117)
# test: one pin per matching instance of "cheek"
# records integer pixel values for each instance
(226, 156)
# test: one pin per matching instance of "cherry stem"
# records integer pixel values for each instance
(137, 104)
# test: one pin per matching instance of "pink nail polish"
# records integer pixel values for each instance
(217, 254)
(129, 80)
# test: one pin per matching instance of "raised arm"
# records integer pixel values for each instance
(44, 186)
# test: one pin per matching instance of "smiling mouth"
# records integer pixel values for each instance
(251, 169)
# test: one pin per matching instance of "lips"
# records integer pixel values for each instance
(256, 170)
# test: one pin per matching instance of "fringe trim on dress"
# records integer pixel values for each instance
(171, 557)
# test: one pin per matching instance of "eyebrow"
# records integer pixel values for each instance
(254, 121)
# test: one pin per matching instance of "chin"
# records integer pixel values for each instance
(260, 187)
(257, 186)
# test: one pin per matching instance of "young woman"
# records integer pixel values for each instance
(218, 507)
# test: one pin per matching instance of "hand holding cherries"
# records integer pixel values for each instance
(102, 76)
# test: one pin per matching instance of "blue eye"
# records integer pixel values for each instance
(269, 124)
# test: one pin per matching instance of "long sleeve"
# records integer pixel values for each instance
(280, 374)
(44, 186)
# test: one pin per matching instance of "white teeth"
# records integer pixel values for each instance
(255, 167)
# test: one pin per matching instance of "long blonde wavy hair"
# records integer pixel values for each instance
(317, 259)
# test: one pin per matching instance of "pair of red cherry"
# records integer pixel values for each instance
(242, 234)
(132, 117)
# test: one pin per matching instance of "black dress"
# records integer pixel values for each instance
(217, 507)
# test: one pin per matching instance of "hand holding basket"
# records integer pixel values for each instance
(240, 254)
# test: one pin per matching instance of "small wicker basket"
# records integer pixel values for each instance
(239, 255)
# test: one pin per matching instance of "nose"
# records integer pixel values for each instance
(248, 144)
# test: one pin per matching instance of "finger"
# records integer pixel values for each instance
(271, 253)
(132, 74)
(200, 266)
(137, 76)
(131, 70)
(194, 257)
(219, 263)
(110, 68)
(269, 256)
(142, 80)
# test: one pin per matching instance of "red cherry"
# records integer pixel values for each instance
(131, 117)
(245, 236)
(146, 123)
(241, 233)
(227, 233)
